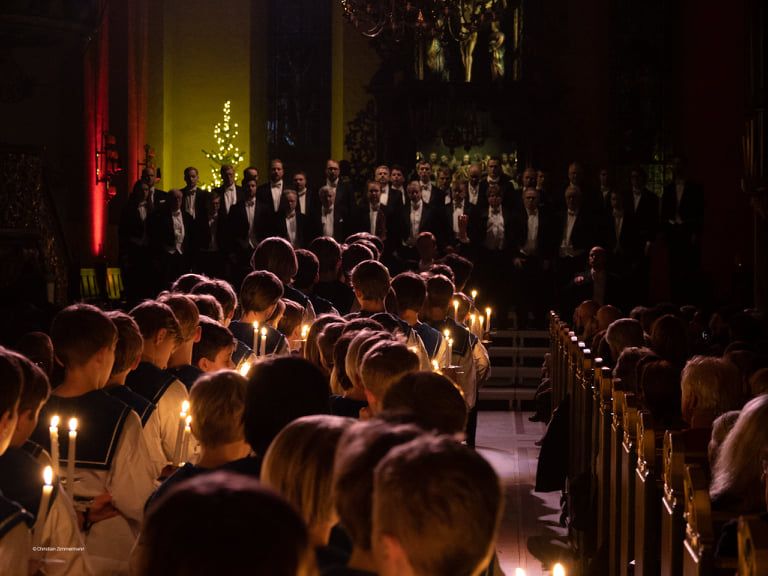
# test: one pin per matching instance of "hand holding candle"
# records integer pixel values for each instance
(455, 310)
(245, 367)
(54, 431)
(42, 510)
(71, 454)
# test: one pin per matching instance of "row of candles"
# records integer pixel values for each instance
(260, 338)
(476, 321)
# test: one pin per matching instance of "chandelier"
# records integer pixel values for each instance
(454, 19)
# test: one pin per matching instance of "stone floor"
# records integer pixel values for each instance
(531, 537)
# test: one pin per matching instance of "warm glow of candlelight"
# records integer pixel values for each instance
(304, 331)
(185, 407)
(188, 421)
(519, 572)
(245, 368)
(435, 366)
(73, 424)
(48, 475)
(55, 422)
(474, 294)
(558, 570)
(447, 333)
(263, 332)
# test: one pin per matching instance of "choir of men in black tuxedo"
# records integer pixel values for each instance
(529, 244)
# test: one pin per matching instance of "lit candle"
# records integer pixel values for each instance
(42, 510)
(304, 331)
(455, 310)
(474, 295)
(71, 455)
(558, 570)
(519, 572)
(450, 353)
(185, 442)
(480, 320)
(245, 367)
(180, 432)
(472, 320)
(256, 337)
(54, 430)
(488, 318)
(435, 366)
(263, 343)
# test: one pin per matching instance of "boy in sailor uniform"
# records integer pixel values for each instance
(260, 294)
(114, 475)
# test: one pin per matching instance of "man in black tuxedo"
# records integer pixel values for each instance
(209, 239)
(269, 197)
(393, 198)
(292, 224)
(229, 192)
(416, 218)
(430, 193)
(476, 191)
(194, 198)
(172, 238)
(644, 205)
(456, 218)
(308, 200)
(242, 232)
(534, 250)
(576, 237)
(331, 219)
(371, 216)
(156, 197)
(509, 189)
(345, 197)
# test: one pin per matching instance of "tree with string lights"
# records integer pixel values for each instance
(226, 151)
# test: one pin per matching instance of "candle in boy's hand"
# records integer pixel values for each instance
(185, 442)
(472, 320)
(54, 431)
(180, 432)
(263, 344)
(488, 318)
(481, 319)
(455, 310)
(245, 367)
(304, 331)
(71, 455)
(450, 353)
(558, 570)
(474, 295)
(435, 366)
(256, 337)
(42, 510)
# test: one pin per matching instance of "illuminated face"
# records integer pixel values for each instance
(443, 179)
(222, 360)
(191, 178)
(541, 179)
(276, 171)
(148, 176)
(397, 178)
(494, 168)
(459, 192)
(474, 174)
(382, 175)
(597, 258)
(300, 181)
(425, 171)
(332, 170)
(572, 198)
(291, 200)
(494, 197)
(616, 202)
(374, 193)
(251, 174)
(227, 176)
(327, 196)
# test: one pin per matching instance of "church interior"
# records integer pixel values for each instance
(279, 254)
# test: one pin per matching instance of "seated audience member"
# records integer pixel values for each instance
(260, 294)
(659, 387)
(329, 285)
(435, 482)
(410, 294)
(21, 480)
(127, 357)
(736, 475)
(223, 523)
(280, 390)
(213, 352)
(217, 402)
(426, 250)
(669, 340)
(721, 427)
(606, 315)
(351, 256)
(307, 276)
(112, 461)
(626, 367)
(208, 306)
(277, 256)
(710, 386)
(38, 348)
(758, 382)
(326, 343)
(299, 466)
(584, 320)
(311, 350)
(381, 366)
(291, 325)
(180, 362)
(160, 331)
(16, 536)
(621, 334)
(435, 402)
(360, 449)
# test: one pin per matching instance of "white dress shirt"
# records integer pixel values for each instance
(426, 192)
(373, 214)
(533, 233)
(302, 201)
(230, 198)
(494, 235)
(458, 210)
(277, 192)
(473, 193)
(143, 211)
(290, 226)
(250, 212)
(570, 221)
(618, 222)
(327, 220)
(636, 195)
(415, 217)
(178, 232)
(189, 202)
(384, 197)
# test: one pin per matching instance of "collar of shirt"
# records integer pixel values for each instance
(327, 211)
(278, 184)
(572, 213)
(533, 214)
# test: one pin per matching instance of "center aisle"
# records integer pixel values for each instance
(531, 536)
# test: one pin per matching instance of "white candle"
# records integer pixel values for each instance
(455, 310)
(263, 343)
(185, 442)
(42, 510)
(558, 570)
(71, 455)
(450, 352)
(256, 337)
(472, 320)
(474, 295)
(54, 431)
(480, 320)
(180, 432)
(488, 318)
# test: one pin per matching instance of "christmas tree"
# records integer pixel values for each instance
(224, 133)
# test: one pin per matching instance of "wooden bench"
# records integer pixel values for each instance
(603, 464)
(648, 489)
(753, 546)
(614, 485)
(630, 416)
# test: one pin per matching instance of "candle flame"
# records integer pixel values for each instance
(558, 570)
(73, 424)
(188, 420)
(487, 309)
(245, 368)
(481, 319)
(263, 332)
(447, 333)
(519, 572)
(304, 331)
(55, 422)
(256, 325)
(456, 304)
(48, 475)
(185, 407)
(435, 366)
(474, 294)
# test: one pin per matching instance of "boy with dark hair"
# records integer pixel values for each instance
(207, 305)
(383, 365)
(112, 461)
(462, 269)
(161, 333)
(307, 276)
(259, 296)
(180, 362)
(127, 357)
(410, 294)
(329, 286)
(214, 349)
(434, 481)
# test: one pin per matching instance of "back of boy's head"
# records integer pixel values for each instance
(186, 313)
(328, 254)
(222, 291)
(37, 346)
(152, 316)
(358, 348)
(439, 292)
(359, 450)
(260, 291)
(186, 282)
(358, 324)
(384, 364)
(462, 269)
(353, 255)
(11, 382)
(371, 246)
(223, 523)
(217, 402)
(443, 269)
(36, 388)
(291, 318)
(307, 271)
(339, 377)
(279, 391)
(129, 341)
(213, 338)
(80, 331)
(326, 342)
(311, 350)
(465, 305)
(410, 291)
(435, 401)
(435, 481)
(371, 278)
(275, 255)
(207, 305)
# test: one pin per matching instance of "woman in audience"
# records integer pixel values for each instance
(669, 340)
(710, 386)
(660, 391)
(627, 364)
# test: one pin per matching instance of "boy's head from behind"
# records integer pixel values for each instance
(217, 402)
(214, 350)
(260, 292)
(207, 305)
(370, 281)
(439, 292)
(434, 481)
(34, 394)
(186, 313)
(224, 294)
(410, 291)
(129, 342)
(11, 385)
(82, 333)
(383, 365)
(160, 330)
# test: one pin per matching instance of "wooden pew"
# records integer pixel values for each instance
(699, 543)
(614, 484)
(680, 448)
(630, 416)
(648, 490)
(603, 466)
(753, 546)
